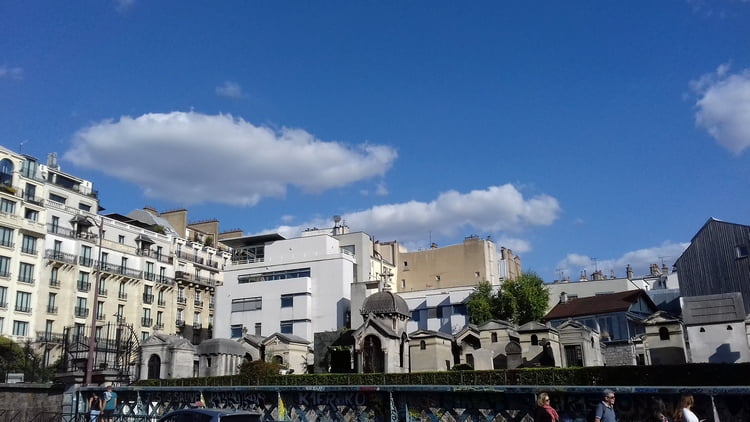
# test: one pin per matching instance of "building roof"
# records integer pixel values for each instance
(595, 305)
(420, 334)
(385, 302)
(533, 326)
(221, 346)
(286, 338)
(713, 309)
(710, 221)
(262, 239)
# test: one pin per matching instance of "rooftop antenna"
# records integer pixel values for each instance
(661, 258)
(21, 144)
(596, 267)
(559, 273)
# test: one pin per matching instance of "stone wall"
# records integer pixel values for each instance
(619, 354)
(24, 402)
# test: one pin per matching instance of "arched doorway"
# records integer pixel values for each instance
(154, 367)
(372, 355)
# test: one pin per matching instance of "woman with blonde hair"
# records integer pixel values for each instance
(685, 413)
(545, 412)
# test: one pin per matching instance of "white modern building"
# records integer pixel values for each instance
(295, 286)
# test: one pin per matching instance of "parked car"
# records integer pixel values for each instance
(210, 415)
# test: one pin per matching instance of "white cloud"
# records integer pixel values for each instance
(723, 107)
(190, 158)
(11, 72)
(230, 89)
(381, 189)
(640, 260)
(495, 210)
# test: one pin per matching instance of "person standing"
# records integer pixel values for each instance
(544, 411)
(605, 411)
(685, 412)
(110, 404)
(95, 407)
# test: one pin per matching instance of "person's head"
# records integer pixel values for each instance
(609, 396)
(109, 387)
(658, 409)
(94, 395)
(687, 401)
(542, 399)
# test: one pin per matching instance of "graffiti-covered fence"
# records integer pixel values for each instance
(417, 403)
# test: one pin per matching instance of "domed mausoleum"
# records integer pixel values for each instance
(381, 342)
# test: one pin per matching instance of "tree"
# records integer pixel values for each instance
(258, 369)
(481, 303)
(522, 299)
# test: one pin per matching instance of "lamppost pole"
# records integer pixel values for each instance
(95, 308)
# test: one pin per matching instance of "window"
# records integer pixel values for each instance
(84, 207)
(741, 251)
(729, 328)
(31, 214)
(20, 328)
(236, 331)
(534, 340)
(23, 302)
(57, 198)
(258, 329)
(4, 266)
(29, 193)
(422, 345)
(247, 304)
(121, 294)
(159, 319)
(3, 298)
(26, 273)
(403, 283)
(6, 237)
(6, 172)
(273, 275)
(121, 239)
(7, 206)
(287, 301)
(53, 280)
(55, 225)
(83, 282)
(81, 310)
(493, 336)
(120, 313)
(146, 318)
(663, 333)
(415, 315)
(52, 303)
(28, 244)
(286, 327)
(86, 256)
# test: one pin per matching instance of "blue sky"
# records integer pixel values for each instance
(582, 135)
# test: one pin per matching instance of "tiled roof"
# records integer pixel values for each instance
(595, 305)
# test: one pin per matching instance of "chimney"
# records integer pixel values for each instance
(654, 269)
(563, 297)
(597, 275)
(664, 269)
(433, 245)
(629, 272)
(583, 276)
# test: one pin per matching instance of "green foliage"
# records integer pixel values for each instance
(256, 369)
(481, 303)
(522, 299)
(11, 356)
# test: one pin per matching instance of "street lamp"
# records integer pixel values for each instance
(84, 222)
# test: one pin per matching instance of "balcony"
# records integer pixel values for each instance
(210, 304)
(147, 322)
(149, 276)
(22, 308)
(47, 337)
(120, 270)
(198, 303)
(189, 257)
(181, 300)
(102, 292)
(54, 283)
(122, 296)
(120, 319)
(58, 256)
(100, 317)
(169, 281)
(148, 299)
(85, 261)
(159, 326)
(162, 303)
(52, 309)
(185, 277)
(155, 255)
(197, 326)
(83, 286)
(81, 312)
(180, 323)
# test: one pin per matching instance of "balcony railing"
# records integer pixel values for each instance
(169, 281)
(148, 299)
(81, 312)
(198, 303)
(149, 276)
(3, 305)
(47, 337)
(59, 256)
(5, 274)
(120, 270)
(54, 283)
(147, 322)
(154, 254)
(85, 261)
(190, 257)
(162, 303)
(197, 325)
(29, 251)
(181, 300)
(22, 308)
(83, 286)
(102, 292)
(180, 323)
(159, 326)
(122, 295)
(51, 309)
(182, 276)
